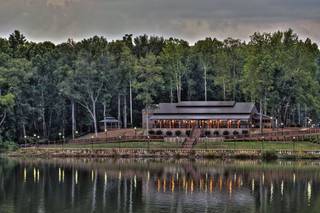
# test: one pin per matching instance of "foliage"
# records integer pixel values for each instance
(48, 88)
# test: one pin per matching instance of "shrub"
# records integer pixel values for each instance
(269, 155)
(8, 145)
(235, 132)
(207, 133)
(178, 133)
(245, 132)
(169, 133)
(159, 132)
(151, 132)
(188, 132)
(216, 133)
(225, 133)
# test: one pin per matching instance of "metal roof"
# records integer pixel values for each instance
(201, 117)
(109, 120)
(204, 107)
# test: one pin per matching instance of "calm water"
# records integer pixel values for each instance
(158, 186)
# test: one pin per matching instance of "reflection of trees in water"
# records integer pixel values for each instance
(128, 185)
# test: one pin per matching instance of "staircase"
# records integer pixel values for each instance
(192, 139)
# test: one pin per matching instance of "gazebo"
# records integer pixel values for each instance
(110, 122)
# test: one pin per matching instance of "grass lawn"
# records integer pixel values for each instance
(266, 145)
(164, 145)
(210, 145)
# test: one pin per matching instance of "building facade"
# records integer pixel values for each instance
(211, 115)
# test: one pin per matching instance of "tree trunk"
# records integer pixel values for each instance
(147, 121)
(44, 126)
(131, 118)
(205, 83)
(94, 117)
(125, 111)
(119, 111)
(171, 93)
(73, 118)
(104, 115)
(224, 90)
(260, 124)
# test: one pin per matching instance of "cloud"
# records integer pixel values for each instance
(58, 20)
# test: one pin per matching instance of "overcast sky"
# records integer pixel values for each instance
(57, 20)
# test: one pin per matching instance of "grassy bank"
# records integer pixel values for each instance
(225, 150)
(267, 145)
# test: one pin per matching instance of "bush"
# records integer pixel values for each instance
(225, 133)
(245, 132)
(151, 132)
(235, 132)
(169, 133)
(207, 133)
(159, 132)
(188, 133)
(178, 133)
(8, 145)
(216, 133)
(269, 155)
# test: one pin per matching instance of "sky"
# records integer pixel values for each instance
(58, 20)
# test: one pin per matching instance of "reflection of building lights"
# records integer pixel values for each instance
(309, 193)
(105, 178)
(262, 178)
(63, 176)
(252, 185)
(294, 178)
(34, 175)
(211, 185)
(25, 175)
(135, 181)
(164, 184)
(281, 187)
(59, 175)
(220, 183)
(191, 186)
(76, 176)
(172, 184)
(230, 187)
(148, 176)
(271, 192)
(38, 175)
(158, 185)
(92, 175)
(119, 177)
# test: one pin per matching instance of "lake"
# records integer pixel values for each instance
(141, 185)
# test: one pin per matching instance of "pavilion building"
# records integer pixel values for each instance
(211, 115)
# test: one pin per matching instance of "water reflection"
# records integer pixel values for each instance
(106, 185)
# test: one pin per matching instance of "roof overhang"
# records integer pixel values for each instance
(202, 117)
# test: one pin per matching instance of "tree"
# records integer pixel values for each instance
(148, 80)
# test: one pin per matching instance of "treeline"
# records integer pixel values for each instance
(47, 89)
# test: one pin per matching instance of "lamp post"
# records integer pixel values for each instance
(63, 140)
(92, 144)
(148, 143)
(293, 144)
(60, 134)
(282, 126)
(34, 138)
(135, 132)
(25, 141)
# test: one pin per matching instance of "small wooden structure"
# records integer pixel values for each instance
(109, 123)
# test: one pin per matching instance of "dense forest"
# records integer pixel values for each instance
(67, 88)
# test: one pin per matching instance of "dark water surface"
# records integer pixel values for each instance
(126, 185)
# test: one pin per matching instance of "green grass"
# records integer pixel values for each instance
(298, 146)
(266, 145)
(163, 145)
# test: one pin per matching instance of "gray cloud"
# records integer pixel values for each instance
(58, 20)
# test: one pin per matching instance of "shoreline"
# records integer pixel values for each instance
(163, 153)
